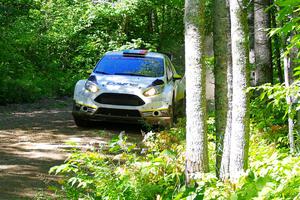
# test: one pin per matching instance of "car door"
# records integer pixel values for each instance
(177, 84)
(169, 85)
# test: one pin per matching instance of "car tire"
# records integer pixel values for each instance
(172, 114)
(81, 122)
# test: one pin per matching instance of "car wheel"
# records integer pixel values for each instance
(175, 110)
(172, 114)
(81, 122)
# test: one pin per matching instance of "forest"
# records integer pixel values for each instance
(245, 146)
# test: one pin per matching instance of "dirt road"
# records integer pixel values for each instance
(34, 137)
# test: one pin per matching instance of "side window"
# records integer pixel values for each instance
(169, 69)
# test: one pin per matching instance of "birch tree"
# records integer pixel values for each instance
(289, 64)
(240, 81)
(196, 135)
(223, 83)
(289, 99)
(262, 43)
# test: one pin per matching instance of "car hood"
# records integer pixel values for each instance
(136, 82)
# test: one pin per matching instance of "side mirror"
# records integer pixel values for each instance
(158, 82)
(177, 77)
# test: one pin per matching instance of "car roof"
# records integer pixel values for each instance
(148, 54)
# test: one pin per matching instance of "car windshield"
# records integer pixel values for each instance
(132, 66)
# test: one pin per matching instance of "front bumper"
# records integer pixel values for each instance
(159, 116)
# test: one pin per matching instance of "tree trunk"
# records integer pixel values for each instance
(240, 81)
(289, 100)
(162, 26)
(222, 72)
(262, 45)
(297, 145)
(251, 32)
(276, 47)
(150, 22)
(196, 135)
(225, 162)
(288, 80)
(294, 52)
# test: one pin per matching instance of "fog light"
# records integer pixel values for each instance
(156, 113)
(147, 114)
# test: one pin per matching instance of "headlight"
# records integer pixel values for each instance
(91, 86)
(152, 91)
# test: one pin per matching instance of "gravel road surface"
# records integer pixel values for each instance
(35, 137)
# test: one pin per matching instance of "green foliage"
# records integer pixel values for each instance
(274, 174)
(137, 44)
(268, 105)
(269, 110)
(46, 46)
(288, 18)
(154, 169)
(123, 172)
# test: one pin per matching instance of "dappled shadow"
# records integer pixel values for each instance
(22, 176)
(58, 120)
(35, 137)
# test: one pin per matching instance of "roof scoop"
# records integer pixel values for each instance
(135, 52)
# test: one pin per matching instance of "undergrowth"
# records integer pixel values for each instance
(154, 169)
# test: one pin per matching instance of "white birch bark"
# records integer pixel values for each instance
(288, 73)
(196, 138)
(240, 119)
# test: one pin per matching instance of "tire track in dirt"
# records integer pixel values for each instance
(34, 137)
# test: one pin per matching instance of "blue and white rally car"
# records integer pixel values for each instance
(131, 86)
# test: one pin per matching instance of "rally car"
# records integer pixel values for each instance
(130, 86)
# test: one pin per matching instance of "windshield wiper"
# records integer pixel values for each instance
(100, 72)
(129, 74)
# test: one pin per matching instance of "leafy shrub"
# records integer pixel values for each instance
(154, 169)
(273, 174)
(269, 110)
(124, 172)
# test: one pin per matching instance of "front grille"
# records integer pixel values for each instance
(119, 99)
(118, 112)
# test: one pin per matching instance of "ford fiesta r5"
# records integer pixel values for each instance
(131, 86)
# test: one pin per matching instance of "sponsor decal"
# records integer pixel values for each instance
(122, 84)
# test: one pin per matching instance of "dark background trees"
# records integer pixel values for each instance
(46, 46)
